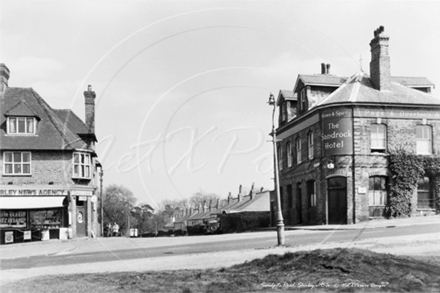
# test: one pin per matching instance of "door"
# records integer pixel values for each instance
(337, 200)
(299, 203)
(80, 217)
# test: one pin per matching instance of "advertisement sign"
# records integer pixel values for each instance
(13, 218)
(27, 235)
(9, 237)
(337, 132)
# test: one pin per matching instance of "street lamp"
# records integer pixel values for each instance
(101, 174)
(279, 219)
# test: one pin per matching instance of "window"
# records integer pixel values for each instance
(378, 191)
(310, 144)
(424, 139)
(283, 111)
(298, 150)
(303, 99)
(21, 125)
(311, 191)
(425, 196)
(289, 154)
(280, 159)
(289, 196)
(17, 163)
(378, 137)
(81, 165)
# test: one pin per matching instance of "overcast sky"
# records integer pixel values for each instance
(182, 86)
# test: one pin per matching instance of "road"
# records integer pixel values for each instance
(150, 248)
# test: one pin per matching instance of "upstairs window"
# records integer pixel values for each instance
(378, 137)
(280, 159)
(310, 145)
(424, 139)
(21, 125)
(283, 112)
(289, 154)
(81, 166)
(298, 150)
(17, 163)
(303, 99)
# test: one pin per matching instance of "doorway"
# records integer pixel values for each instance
(298, 204)
(80, 217)
(337, 200)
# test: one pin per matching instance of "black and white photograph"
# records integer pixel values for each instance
(219, 146)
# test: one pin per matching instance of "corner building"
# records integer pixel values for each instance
(48, 178)
(335, 135)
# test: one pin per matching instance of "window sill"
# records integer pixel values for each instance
(21, 134)
(17, 175)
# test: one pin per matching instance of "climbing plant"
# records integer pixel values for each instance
(431, 165)
(405, 168)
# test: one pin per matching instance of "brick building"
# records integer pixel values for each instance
(48, 178)
(335, 135)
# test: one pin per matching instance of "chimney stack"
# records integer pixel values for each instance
(322, 68)
(89, 96)
(380, 60)
(4, 77)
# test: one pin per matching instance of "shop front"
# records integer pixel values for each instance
(43, 214)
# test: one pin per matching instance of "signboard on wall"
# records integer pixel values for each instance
(337, 132)
(13, 218)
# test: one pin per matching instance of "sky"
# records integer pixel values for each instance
(182, 86)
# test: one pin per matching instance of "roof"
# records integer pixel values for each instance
(359, 88)
(411, 81)
(73, 122)
(286, 95)
(320, 79)
(53, 133)
(260, 202)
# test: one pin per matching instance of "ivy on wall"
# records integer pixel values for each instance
(406, 168)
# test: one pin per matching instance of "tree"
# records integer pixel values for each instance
(118, 203)
(201, 198)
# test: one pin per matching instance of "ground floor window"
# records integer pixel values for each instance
(378, 191)
(46, 218)
(425, 194)
(311, 191)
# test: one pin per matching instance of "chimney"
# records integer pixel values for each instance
(4, 77)
(251, 193)
(327, 69)
(322, 68)
(239, 193)
(89, 96)
(380, 60)
(229, 197)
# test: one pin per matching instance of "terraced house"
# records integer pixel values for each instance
(336, 134)
(48, 178)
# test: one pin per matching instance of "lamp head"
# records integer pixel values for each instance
(271, 100)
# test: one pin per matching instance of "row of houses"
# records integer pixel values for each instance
(220, 213)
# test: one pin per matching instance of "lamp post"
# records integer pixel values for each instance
(101, 174)
(279, 219)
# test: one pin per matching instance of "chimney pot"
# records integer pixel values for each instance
(322, 68)
(327, 71)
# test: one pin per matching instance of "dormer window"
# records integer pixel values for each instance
(81, 166)
(21, 125)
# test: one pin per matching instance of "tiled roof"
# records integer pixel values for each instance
(411, 81)
(21, 109)
(52, 133)
(259, 203)
(359, 88)
(287, 94)
(73, 122)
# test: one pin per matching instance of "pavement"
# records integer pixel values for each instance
(90, 245)
(422, 244)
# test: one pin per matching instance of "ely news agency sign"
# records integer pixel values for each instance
(337, 132)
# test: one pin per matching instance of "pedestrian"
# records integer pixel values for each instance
(109, 230)
(115, 229)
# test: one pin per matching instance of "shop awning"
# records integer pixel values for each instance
(31, 202)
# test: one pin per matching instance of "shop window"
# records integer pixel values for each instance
(311, 191)
(425, 194)
(47, 218)
(17, 163)
(289, 154)
(378, 137)
(21, 125)
(378, 191)
(310, 145)
(298, 150)
(424, 139)
(81, 166)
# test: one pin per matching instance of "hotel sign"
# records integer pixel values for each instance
(337, 132)
(396, 113)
